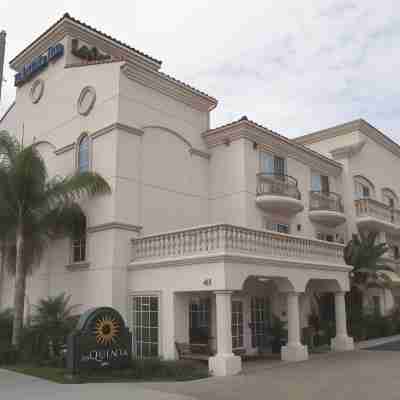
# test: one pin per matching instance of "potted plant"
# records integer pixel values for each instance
(278, 333)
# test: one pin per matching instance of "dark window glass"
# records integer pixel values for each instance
(83, 154)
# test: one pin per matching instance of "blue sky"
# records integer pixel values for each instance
(294, 67)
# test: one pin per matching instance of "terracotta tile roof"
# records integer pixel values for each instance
(244, 119)
(187, 86)
(67, 16)
(88, 63)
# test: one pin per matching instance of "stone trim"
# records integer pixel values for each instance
(235, 258)
(64, 149)
(199, 153)
(263, 137)
(115, 126)
(114, 225)
(78, 266)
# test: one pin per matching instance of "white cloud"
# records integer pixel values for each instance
(292, 66)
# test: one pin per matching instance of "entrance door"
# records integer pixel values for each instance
(199, 317)
(237, 325)
(260, 321)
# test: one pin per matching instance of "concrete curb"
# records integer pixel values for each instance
(365, 344)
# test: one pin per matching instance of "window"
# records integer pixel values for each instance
(79, 241)
(145, 326)
(320, 183)
(199, 320)
(83, 154)
(272, 165)
(363, 188)
(237, 324)
(278, 227)
(329, 237)
(260, 320)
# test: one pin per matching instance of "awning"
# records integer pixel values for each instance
(390, 276)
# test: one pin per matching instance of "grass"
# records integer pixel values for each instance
(141, 371)
(49, 373)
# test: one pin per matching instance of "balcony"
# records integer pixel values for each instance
(278, 194)
(228, 240)
(375, 216)
(326, 208)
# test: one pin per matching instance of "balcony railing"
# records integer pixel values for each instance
(277, 184)
(217, 239)
(377, 210)
(325, 201)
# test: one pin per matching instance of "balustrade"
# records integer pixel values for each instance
(233, 239)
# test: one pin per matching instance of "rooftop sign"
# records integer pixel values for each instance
(38, 64)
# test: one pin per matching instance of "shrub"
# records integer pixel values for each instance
(6, 323)
(151, 369)
(8, 355)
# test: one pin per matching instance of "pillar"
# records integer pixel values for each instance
(294, 350)
(167, 309)
(224, 362)
(341, 342)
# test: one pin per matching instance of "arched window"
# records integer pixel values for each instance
(364, 189)
(390, 198)
(83, 154)
(79, 240)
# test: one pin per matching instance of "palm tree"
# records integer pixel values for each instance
(365, 255)
(34, 210)
(53, 320)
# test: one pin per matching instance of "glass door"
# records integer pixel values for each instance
(237, 325)
(199, 317)
(260, 321)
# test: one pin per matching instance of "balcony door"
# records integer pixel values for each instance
(320, 183)
(273, 165)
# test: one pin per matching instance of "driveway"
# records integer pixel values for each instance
(358, 375)
(15, 386)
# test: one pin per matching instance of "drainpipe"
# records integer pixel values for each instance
(2, 52)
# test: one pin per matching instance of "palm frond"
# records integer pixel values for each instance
(9, 148)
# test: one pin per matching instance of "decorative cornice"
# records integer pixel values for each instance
(170, 87)
(114, 225)
(348, 151)
(79, 30)
(236, 258)
(116, 126)
(245, 129)
(358, 125)
(64, 149)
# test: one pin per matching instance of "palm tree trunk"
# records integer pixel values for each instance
(2, 265)
(19, 289)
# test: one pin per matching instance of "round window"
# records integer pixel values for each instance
(86, 100)
(36, 91)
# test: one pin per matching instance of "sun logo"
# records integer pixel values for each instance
(106, 330)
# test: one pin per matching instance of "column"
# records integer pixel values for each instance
(294, 350)
(224, 362)
(167, 325)
(341, 342)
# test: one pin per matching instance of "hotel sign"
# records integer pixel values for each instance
(38, 64)
(101, 340)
